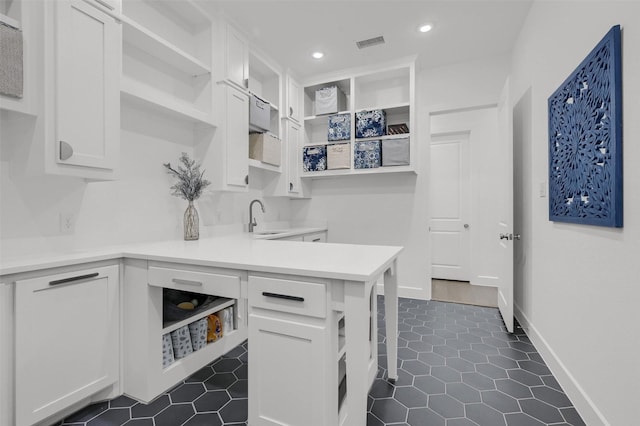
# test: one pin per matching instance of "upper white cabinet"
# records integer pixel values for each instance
(387, 90)
(236, 57)
(66, 340)
(293, 95)
(167, 59)
(87, 82)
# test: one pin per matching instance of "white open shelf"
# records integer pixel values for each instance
(150, 98)
(256, 164)
(10, 21)
(385, 137)
(351, 172)
(149, 42)
(217, 305)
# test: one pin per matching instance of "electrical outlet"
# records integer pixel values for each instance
(67, 222)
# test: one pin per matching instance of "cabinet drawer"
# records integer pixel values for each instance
(296, 297)
(197, 282)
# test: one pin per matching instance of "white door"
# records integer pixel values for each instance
(88, 86)
(450, 206)
(504, 233)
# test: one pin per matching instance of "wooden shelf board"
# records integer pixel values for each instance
(144, 39)
(155, 100)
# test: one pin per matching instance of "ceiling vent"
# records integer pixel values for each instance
(370, 42)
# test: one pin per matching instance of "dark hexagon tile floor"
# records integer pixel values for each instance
(457, 367)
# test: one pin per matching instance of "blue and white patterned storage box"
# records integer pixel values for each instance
(314, 158)
(198, 332)
(370, 124)
(339, 127)
(366, 155)
(181, 340)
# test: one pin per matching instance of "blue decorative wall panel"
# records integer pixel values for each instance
(585, 140)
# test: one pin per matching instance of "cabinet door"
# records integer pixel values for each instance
(237, 142)
(288, 363)
(293, 98)
(237, 58)
(293, 157)
(88, 86)
(66, 340)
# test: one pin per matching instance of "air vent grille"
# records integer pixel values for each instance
(370, 42)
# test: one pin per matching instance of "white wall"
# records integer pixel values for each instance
(137, 207)
(580, 304)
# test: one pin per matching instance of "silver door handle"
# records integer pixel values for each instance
(506, 236)
(466, 226)
(516, 236)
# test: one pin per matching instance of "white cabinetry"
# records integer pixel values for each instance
(66, 340)
(294, 111)
(87, 89)
(389, 88)
(289, 184)
(145, 376)
(236, 58)
(292, 329)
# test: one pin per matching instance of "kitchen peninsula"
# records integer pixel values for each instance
(307, 307)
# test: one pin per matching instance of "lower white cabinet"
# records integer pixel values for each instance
(294, 356)
(66, 340)
(145, 375)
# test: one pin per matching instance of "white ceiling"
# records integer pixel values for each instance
(290, 31)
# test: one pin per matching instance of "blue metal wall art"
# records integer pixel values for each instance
(585, 140)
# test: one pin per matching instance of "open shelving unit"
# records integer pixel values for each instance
(167, 56)
(265, 82)
(389, 88)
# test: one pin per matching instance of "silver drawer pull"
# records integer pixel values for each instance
(186, 282)
(316, 240)
(283, 296)
(72, 279)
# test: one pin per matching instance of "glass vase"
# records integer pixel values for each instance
(191, 223)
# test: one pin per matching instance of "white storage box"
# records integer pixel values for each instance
(259, 114)
(330, 100)
(395, 152)
(265, 147)
(339, 156)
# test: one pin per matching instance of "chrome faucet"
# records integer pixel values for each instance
(252, 220)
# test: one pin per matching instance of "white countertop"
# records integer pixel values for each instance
(238, 251)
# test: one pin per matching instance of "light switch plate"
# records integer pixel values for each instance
(542, 190)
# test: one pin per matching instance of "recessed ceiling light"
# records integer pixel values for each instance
(317, 55)
(425, 28)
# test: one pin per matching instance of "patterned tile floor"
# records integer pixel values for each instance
(457, 367)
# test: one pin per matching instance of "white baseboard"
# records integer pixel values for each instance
(581, 401)
(409, 292)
